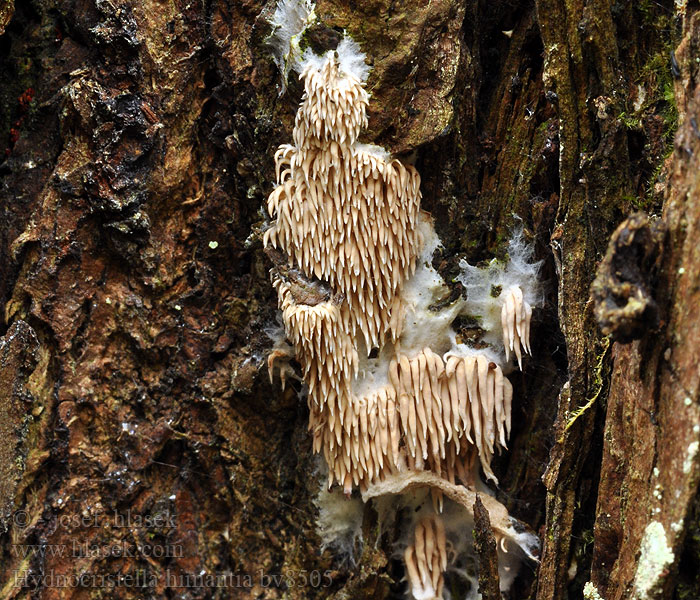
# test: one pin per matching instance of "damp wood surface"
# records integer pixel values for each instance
(137, 144)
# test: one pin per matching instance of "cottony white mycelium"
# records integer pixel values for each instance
(398, 408)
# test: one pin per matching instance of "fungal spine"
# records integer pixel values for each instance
(426, 559)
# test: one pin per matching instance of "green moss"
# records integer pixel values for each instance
(588, 539)
(600, 377)
(304, 41)
(646, 8)
(631, 122)
(655, 79)
(657, 74)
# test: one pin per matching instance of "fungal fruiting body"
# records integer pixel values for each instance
(345, 215)
(426, 559)
(390, 390)
(348, 218)
(515, 319)
(503, 294)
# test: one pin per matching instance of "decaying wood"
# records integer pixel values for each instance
(137, 312)
(485, 546)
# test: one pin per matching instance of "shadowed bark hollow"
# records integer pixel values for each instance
(143, 445)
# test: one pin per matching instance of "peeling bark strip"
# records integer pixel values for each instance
(485, 543)
(18, 358)
(135, 144)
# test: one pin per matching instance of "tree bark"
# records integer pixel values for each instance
(144, 452)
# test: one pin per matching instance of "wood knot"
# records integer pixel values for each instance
(622, 292)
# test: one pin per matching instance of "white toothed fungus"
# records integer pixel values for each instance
(426, 559)
(502, 296)
(392, 396)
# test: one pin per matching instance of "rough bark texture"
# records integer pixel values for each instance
(136, 414)
(485, 546)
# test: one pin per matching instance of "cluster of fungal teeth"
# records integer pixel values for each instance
(502, 295)
(448, 405)
(349, 227)
(426, 559)
(515, 320)
(345, 214)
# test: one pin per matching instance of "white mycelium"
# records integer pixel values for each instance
(502, 296)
